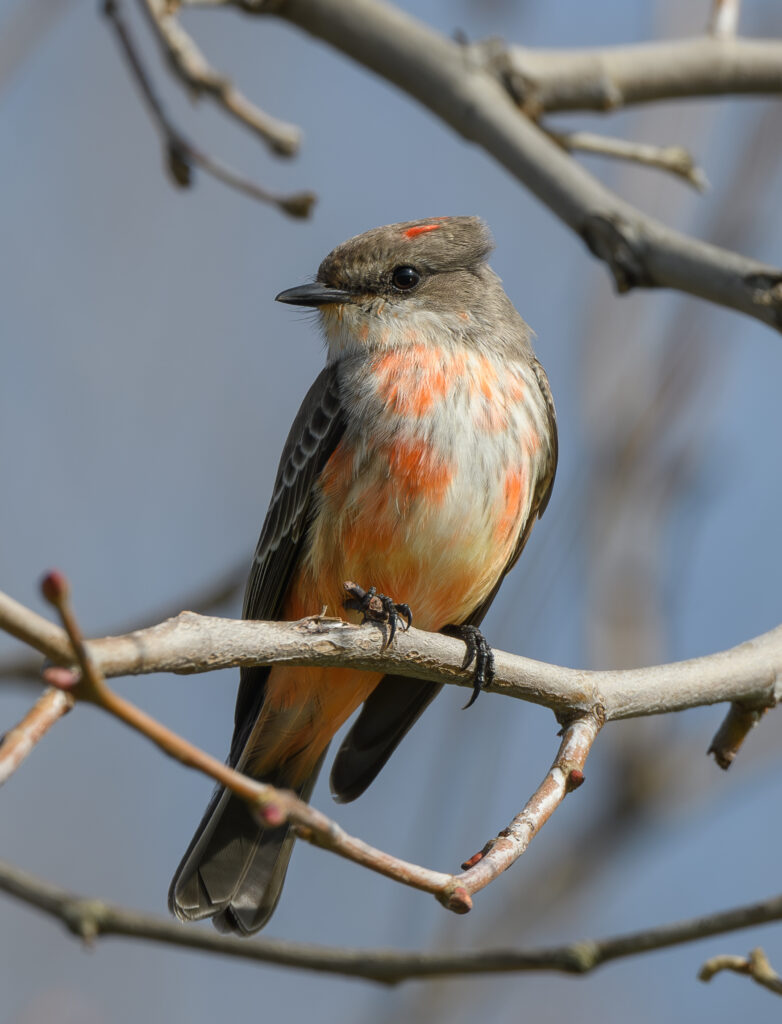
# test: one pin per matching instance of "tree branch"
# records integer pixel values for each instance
(199, 77)
(607, 78)
(189, 643)
(756, 966)
(180, 153)
(90, 919)
(19, 741)
(470, 92)
(675, 159)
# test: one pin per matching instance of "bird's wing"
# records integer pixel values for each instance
(316, 432)
(397, 702)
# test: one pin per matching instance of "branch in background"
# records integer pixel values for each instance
(90, 919)
(750, 672)
(199, 77)
(181, 154)
(756, 966)
(19, 741)
(724, 21)
(739, 722)
(604, 79)
(675, 159)
(474, 91)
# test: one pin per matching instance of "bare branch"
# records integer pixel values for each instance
(756, 966)
(189, 643)
(675, 159)
(738, 723)
(607, 78)
(89, 919)
(200, 77)
(19, 741)
(181, 154)
(724, 21)
(565, 775)
(469, 90)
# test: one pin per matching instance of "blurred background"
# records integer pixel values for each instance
(148, 381)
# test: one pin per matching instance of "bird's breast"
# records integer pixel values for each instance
(427, 493)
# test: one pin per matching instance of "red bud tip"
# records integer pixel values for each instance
(54, 587)
(272, 815)
(61, 678)
(575, 778)
(472, 861)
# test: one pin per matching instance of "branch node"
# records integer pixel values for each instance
(614, 241)
(455, 898)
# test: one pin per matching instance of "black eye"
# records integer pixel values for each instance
(405, 278)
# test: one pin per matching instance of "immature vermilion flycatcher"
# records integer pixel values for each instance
(418, 463)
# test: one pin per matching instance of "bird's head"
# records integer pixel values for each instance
(417, 282)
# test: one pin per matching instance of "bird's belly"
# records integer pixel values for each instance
(427, 529)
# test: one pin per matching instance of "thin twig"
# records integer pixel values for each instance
(565, 775)
(200, 77)
(89, 919)
(724, 20)
(756, 966)
(19, 741)
(675, 159)
(180, 153)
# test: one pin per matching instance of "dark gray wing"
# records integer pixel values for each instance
(315, 434)
(397, 702)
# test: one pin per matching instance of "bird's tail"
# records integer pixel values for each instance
(234, 869)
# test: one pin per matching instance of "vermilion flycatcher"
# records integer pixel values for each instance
(418, 463)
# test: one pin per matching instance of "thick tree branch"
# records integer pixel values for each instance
(750, 672)
(605, 79)
(470, 90)
(89, 919)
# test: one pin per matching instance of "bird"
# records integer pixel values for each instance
(417, 464)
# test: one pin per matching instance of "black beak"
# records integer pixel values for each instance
(315, 294)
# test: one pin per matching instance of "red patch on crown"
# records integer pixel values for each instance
(420, 230)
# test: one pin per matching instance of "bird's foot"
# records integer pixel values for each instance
(479, 651)
(377, 608)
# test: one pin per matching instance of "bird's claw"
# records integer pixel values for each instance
(479, 651)
(378, 608)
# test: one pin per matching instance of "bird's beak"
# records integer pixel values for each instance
(315, 294)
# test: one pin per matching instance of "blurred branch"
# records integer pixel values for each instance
(756, 966)
(675, 159)
(189, 643)
(181, 154)
(607, 78)
(724, 21)
(477, 91)
(89, 919)
(19, 741)
(199, 77)
(22, 31)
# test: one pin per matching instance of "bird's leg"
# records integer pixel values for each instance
(478, 650)
(377, 608)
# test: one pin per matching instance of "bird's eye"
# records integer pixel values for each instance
(405, 278)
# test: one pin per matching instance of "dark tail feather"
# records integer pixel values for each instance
(391, 709)
(234, 869)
